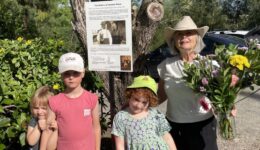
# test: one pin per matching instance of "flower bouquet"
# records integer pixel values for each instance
(220, 77)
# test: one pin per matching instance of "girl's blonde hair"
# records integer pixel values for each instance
(41, 97)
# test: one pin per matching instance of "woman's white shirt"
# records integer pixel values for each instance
(182, 104)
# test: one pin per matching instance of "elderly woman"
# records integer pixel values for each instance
(191, 129)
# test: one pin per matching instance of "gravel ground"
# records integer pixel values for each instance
(247, 124)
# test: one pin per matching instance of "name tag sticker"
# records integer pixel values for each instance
(87, 112)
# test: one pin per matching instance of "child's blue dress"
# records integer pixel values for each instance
(142, 134)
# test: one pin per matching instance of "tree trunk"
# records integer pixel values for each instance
(115, 83)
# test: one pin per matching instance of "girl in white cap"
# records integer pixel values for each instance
(191, 129)
(76, 109)
(138, 126)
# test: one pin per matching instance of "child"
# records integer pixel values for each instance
(42, 127)
(138, 126)
(76, 109)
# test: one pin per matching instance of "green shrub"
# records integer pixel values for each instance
(25, 66)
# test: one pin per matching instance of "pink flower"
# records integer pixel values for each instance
(205, 104)
(234, 80)
(205, 81)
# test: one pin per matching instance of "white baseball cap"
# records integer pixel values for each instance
(71, 61)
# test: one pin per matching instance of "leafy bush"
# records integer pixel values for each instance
(25, 65)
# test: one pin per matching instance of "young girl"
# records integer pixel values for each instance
(76, 109)
(42, 127)
(138, 126)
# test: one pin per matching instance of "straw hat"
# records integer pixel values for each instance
(186, 23)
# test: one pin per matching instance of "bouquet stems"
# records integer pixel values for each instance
(227, 126)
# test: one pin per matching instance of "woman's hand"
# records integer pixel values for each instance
(233, 111)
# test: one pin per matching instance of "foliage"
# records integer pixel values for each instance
(93, 83)
(38, 18)
(208, 12)
(221, 79)
(11, 19)
(253, 14)
(236, 11)
(25, 65)
(56, 23)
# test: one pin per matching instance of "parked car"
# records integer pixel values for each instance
(246, 34)
(253, 34)
(211, 40)
(238, 33)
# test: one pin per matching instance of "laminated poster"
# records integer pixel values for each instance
(109, 35)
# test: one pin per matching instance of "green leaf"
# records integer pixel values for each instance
(11, 132)
(226, 72)
(1, 109)
(17, 64)
(7, 101)
(22, 138)
(2, 146)
(14, 60)
(4, 122)
(21, 119)
(218, 98)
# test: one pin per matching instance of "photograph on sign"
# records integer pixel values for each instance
(110, 32)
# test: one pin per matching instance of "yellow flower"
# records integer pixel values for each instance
(247, 64)
(56, 86)
(239, 61)
(240, 67)
(20, 39)
(28, 42)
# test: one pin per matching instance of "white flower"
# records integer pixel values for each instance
(215, 64)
